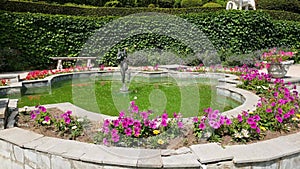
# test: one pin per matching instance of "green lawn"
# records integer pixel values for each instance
(101, 95)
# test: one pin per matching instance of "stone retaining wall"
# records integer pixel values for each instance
(21, 149)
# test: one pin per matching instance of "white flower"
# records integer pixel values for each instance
(135, 97)
(245, 133)
(74, 127)
(80, 120)
(46, 122)
(238, 135)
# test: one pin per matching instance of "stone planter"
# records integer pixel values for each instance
(279, 70)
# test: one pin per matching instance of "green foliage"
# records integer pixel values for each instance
(283, 15)
(211, 5)
(286, 5)
(190, 3)
(57, 35)
(113, 4)
(16, 6)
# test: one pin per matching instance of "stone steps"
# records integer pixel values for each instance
(8, 113)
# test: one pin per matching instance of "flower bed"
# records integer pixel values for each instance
(3, 82)
(277, 111)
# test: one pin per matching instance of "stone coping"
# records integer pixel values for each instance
(185, 157)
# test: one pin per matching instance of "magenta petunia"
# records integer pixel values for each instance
(240, 118)
(195, 119)
(228, 121)
(47, 118)
(164, 123)
(128, 132)
(115, 138)
(253, 125)
(279, 118)
(32, 115)
(180, 124)
(164, 116)
(202, 126)
(42, 108)
(268, 110)
(250, 121)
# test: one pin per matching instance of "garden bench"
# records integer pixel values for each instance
(60, 59)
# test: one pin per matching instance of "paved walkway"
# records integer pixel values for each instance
(293, 71)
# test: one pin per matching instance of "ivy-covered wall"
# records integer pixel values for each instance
(28, 40)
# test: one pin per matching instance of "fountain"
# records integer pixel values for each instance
(122, 58)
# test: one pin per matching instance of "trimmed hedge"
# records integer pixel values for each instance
(15, 6)
(28, 40)
(78, 11)
(286, 5)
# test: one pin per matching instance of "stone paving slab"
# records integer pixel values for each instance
(112, 155)
(19, 136)
(150, 159)
(180, 161)
(211, 152)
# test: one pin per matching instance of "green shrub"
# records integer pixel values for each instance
(211, 5)
(151, 6)
(286, 5)
(190, 3)
(113, 4)
(28, 40)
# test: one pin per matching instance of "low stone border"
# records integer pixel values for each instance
(38, 151)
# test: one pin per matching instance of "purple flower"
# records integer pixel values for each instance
(105, 142)
(250, 121)
(228, 121)
(67, 120)
(195, 119)
(42, 108)
(212, 116)
(258, 130)
(106, 123)
(279, 110)
(180, 124)
(105, 130)
(69, 112)
(135, 109)
(256, 117)
(279, 118)
(253, 125)
(47, 118)
(122, 114)
(115, 138)
(164, 123)
(202, 126)
(144, 115)
(273, 104)
(147, 122)
(153, 124)
(32, 115)
(286, 116)
(268, 110)
(116, 123)
(132, 103)
(240, 118)
(130, 121)
(164, 116)
(128, 132)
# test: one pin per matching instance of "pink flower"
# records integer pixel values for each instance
(122, 114)
(258, 130)
(250, 121)
(115, 138)
(67, 120)
(105, 142)
(42, 108)
(180, 124)
(228, 122)
(268, 110)
(253, 125)
(164, 123)
(195, 119)
(128, 132)
(279, 118)
(202, 126)
(47, 118)
(32, 115)
(164, 116)
(240, 118)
